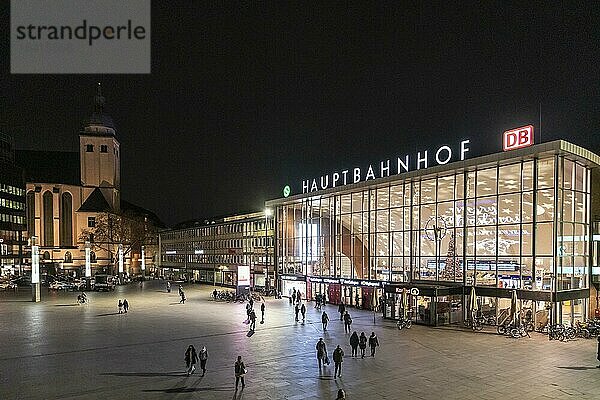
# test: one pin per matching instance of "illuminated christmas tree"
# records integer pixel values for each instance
(452, 270)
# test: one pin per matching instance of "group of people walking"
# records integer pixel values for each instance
(123, 306)
(251, 314)
(192, 357)
(356, 342)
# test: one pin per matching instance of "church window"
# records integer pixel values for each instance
(91, 222)
(66, 220)
(89, 148)
(48, 219)
(103, 148)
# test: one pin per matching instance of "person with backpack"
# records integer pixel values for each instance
(338, 359)
(303, 311)
(373, 343)
(362, 344)
(120, 305)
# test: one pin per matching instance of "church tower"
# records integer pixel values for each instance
(99, 153)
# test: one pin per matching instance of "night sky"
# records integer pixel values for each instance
(244, 100)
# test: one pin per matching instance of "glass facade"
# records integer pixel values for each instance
(521, 223)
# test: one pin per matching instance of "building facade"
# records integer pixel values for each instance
(519, 221)
(12, 210)
(212, 251)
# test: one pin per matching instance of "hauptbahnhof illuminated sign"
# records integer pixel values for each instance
(424, 159)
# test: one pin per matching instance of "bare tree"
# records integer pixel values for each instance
(131, 230)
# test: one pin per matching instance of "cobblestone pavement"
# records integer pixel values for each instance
(58, 349)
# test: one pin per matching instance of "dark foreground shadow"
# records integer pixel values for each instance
(66, 305)
(147, 374)
(578, 368)
(104, 315)
(186, 389)
(250, 333)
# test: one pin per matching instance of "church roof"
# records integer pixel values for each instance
(153, 218)
(96, 202)
(49, 166)
(99, 119)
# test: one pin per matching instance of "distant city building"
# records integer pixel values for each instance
(70, 193)
(212, 251)
(12, 209)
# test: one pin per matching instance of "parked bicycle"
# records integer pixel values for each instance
(404, 323)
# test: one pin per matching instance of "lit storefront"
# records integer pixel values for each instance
(520, 220)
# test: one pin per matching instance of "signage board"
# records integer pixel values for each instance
(243, 275)
(517, 138)
(414, 291)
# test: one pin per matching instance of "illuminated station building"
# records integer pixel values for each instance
(436, 224)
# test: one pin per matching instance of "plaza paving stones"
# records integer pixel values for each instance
(59, 350)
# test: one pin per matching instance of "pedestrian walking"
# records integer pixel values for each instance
(303, 311)
(215, 293)
(252, 320)
(120, 304)
(262, 313)
(180, 290)
(354, 344)
(373, 343)
(324, 320)
(342, 310)
(362, 344)
(240, 372)
(347, 322)
(251, 302)
(203, 356)
(182, 294)
(338, 359)
(191, 357)
(297, 310)
(248, 309)
(125, 305)
(341, 395)
(318, 301)
(291, 300)
(356, 298)
(168, 287)
(294, 296)
(321, 352)
(324, 300)
(298, 297)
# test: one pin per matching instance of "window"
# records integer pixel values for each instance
(91, 222)
(103, 148)
(89, 148)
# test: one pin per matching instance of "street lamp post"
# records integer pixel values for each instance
(268, 213)
(143, 262)
(35, 270)
(120, 262)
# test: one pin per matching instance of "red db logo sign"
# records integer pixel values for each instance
(517, 138)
